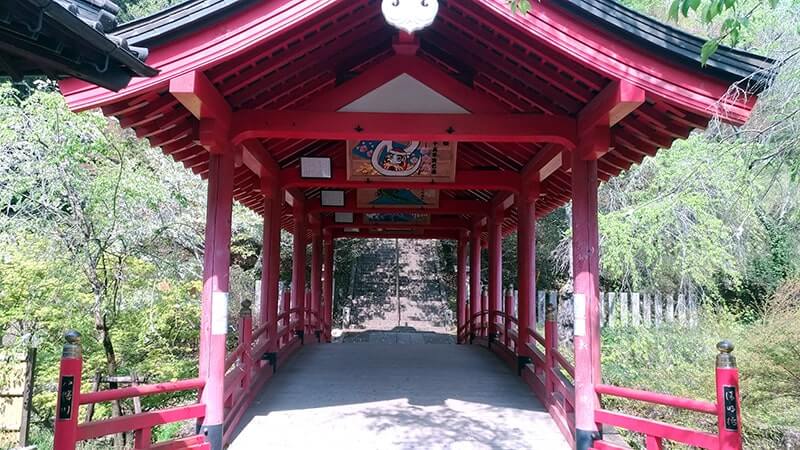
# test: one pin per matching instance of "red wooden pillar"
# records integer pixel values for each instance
(586, 259)
(729, 408)
(461, 287)
(474, 279)
(316, 278)
(216, 278)
(327, 283)
(526, 267)
(274, 270)
(484, 311)
(270, 261)
(508, 309)
(246, 341)
(299, 263)
(495, 268)
(69, 389)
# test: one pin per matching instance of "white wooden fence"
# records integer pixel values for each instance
(620, 309)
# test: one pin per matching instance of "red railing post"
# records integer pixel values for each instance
(461, 289)
(142, 439)
(246, 341)
(474, 278)
(550, 347)
(287, 318)
(309, 316)
(509, 307)
(729, 415)
(484, 311)
(69, 388)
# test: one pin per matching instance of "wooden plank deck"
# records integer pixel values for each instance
(389, 396)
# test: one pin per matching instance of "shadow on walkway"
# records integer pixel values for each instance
(387, 396)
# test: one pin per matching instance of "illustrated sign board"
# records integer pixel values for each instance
(397, 198)
(409, 160)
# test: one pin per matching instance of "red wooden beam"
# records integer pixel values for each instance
(447, 206)
(256, 157)
(253, 124)
(611, 105)
(502, 201)
(436, 234)
(436, 223)
(465, 180)
(196, 93)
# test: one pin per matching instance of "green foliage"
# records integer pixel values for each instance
(102, 234)
(678, 360)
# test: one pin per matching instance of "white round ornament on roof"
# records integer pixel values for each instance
(410, 15)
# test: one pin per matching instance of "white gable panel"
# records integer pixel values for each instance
(405, 94)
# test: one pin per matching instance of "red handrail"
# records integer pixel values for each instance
(564, 363)
(100, 428)
(657, 398)
(655, 428)
(140, 391)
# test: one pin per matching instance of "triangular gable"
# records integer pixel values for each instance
(404, 94)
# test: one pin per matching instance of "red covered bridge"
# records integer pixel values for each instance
(329, 122)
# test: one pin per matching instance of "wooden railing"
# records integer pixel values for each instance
(248, 366)
(551, 377)
(68, 430)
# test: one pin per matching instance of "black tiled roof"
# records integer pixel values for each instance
(726, 63)
(178, 20)
(67, 38)
(681, 47)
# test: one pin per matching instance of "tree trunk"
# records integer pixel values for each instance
(104, 336)
(27, 396)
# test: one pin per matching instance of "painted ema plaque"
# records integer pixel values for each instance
(731, 408)
(397, 198)
(410, 160)
(65, 398)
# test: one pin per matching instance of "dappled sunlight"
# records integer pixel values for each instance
(397, 397)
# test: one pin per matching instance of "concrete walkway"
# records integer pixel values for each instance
(388, 396)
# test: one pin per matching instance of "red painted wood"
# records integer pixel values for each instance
(100, 428)
(66, 430)
(415, 234)
(654, 443)
(200, 51)
(436, 223)
(526, 270)
(316, 278)
(606, 54)
(274, 258)
(585, 251)
(267, 89)
(508, 320)
(474, 277)
(495, 267)
(327, 282)
(729, 439)
(657, 398)
(659, 429)
(141, 391)
(299, 263)
(615, 102)
(216, 274)
(528, 128)
(196, 93)
(178, 444)
(461, 283)
(464, 180)
(142, 439)
(447, 206)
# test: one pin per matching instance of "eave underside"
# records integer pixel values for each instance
(470, 47)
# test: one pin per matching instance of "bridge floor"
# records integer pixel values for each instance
(390, 396)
